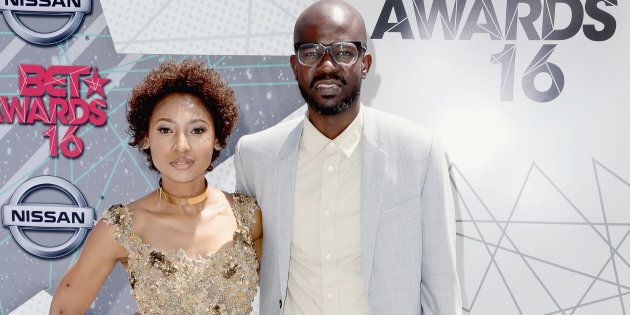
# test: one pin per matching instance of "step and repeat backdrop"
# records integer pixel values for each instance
(531, 98)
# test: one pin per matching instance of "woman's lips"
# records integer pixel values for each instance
(182, 163)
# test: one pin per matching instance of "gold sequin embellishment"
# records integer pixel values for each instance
(169, 282)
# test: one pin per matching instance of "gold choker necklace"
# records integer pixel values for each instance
(181, 201)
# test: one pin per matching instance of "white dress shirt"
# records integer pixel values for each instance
(325, 267)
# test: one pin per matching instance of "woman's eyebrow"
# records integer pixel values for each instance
(192, 121)
(166, 120)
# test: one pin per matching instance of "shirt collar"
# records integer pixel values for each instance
(314, 141)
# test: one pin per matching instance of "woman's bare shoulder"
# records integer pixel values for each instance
(142, 209)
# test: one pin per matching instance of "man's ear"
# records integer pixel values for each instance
(366, 63)
(294, 62)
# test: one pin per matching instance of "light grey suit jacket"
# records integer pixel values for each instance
(407, 226)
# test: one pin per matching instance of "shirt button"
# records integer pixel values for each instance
(328, 256)
(330, 168)
(329, 295)
(326, 212)
(330, 146)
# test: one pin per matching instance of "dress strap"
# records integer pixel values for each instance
(245, 206)
(119, 216)
(244, 209)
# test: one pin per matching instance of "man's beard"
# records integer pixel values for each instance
(324, 110)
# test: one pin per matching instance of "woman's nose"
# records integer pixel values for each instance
(182, 144)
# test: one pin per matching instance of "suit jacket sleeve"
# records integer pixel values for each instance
(439, 287)
(241, 178)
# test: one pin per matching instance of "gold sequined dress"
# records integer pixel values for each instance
(169, 282)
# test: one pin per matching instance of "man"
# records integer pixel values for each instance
(357, 208)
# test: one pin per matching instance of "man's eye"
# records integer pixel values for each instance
(198, 131)
(164, 130)
(344, 53)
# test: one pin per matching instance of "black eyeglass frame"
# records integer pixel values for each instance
(327, 48)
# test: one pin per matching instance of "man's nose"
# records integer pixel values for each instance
(327, 64)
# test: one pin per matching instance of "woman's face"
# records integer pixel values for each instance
(181, 137)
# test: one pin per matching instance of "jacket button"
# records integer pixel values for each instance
(280, 303)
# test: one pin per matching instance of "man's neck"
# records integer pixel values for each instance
(333, 125)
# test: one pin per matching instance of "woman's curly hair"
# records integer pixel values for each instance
(188, 76)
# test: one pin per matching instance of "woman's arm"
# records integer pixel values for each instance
(84, 279)
(257, 233)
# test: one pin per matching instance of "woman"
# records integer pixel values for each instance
(188, 248)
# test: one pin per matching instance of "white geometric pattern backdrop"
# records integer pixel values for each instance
(235, 27)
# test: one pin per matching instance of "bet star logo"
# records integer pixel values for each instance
(95, 83)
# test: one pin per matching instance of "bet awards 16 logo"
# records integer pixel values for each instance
(75, 9)
(482, 19)
(53, 96)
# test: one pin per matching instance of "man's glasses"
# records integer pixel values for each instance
(343, 53)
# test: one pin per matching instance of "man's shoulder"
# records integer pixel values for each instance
(272, 137)
(396, 128)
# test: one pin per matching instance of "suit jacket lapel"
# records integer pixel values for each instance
(285, 170)
(372, 178)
